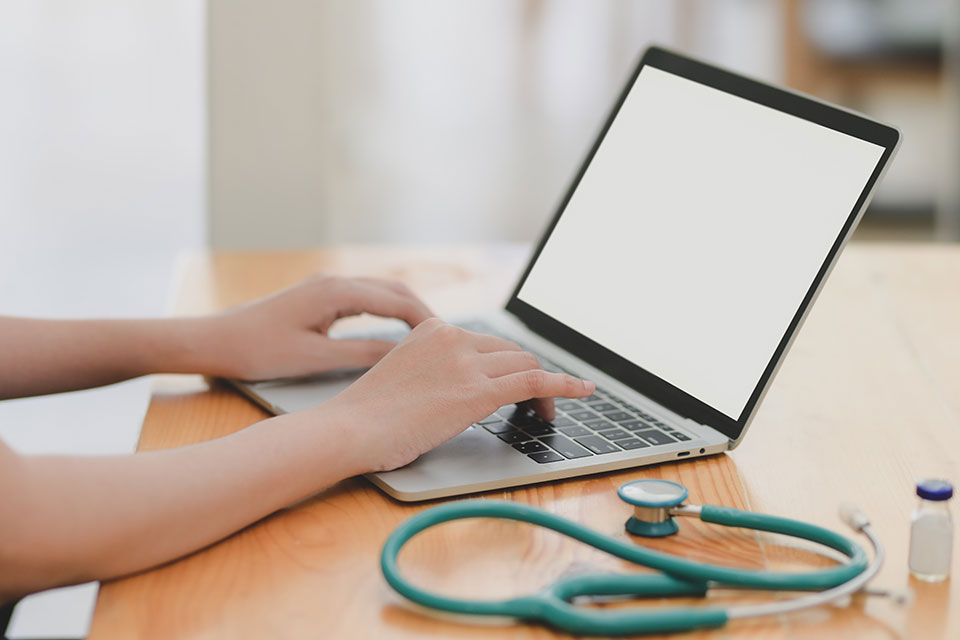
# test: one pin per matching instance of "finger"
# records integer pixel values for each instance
(401, 290)
(491, 344)
(344, 353)
(543, 407)
(380, 301)
(394, 285)
(540, 387)
(501, 363)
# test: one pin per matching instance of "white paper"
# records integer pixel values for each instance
(63, 614)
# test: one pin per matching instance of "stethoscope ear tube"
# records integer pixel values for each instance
(812, 581)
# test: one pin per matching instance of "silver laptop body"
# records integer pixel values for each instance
(650, 409)
(478, 460)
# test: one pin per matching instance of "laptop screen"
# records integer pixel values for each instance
(696, 232)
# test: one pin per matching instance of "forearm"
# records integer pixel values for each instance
(49, 356)
(73, 519)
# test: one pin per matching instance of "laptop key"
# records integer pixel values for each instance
(498, 427)
(583, 416)
(539, 430)
(491, 418)
(522, 419)
(635, 425)
(603, 406)
(568, 405)
(529, 447)
(566, 448)
(514, 436)
(632, 443)
(599, 424)
(549, 365)
(617, 416)
(680, 436)
(546, 365)
(616, 434)
(575, 430)
(654, 437)
(545, 456)
(597, 444)
(562, 421)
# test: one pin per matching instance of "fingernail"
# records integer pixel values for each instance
(591, 387)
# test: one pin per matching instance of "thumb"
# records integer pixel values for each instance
(356, 353)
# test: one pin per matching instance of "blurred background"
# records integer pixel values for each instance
(134, 130)
(435, 121)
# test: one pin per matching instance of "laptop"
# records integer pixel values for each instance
(675, 274)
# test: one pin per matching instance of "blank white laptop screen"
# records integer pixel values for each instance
(695, 233)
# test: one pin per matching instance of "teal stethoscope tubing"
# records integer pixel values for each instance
(679, 576)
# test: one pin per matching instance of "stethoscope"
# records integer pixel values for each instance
(656, 504)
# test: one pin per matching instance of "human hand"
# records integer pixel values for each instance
(285, 334)
(433, 385)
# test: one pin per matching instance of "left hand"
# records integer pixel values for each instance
(285, 334)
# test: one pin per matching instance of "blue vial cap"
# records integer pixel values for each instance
(934, 489)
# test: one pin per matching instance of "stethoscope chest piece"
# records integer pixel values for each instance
(652, 500)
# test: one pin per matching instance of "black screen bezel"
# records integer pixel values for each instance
(635, 376)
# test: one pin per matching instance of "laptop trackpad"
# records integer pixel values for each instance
(287, 396)
(470, 458)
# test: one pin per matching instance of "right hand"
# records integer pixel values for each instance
(436, 383)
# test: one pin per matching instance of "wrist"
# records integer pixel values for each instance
(207, 347)
(333, 443)
(183, 345)
(369, 432)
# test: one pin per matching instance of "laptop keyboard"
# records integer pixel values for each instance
(601, 424)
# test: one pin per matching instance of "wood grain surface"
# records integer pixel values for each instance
(867, 402)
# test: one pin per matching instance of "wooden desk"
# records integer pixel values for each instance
(866, 403)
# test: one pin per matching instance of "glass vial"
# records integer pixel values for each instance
(931, 531)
